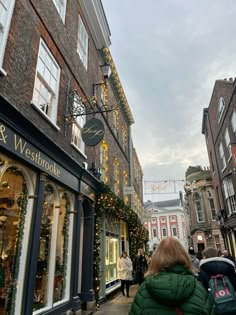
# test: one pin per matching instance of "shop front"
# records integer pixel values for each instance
(46, 231)
(113, 242)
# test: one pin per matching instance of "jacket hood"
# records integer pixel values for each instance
(217, 265)
(172, 286)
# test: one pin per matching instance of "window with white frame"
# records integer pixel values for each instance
(116, 176)
(233, 122)
(6, 11)
(222, 156)
(227, 142)
(212, 208)
(115, 122)
(154, 232)
(124, 139)
(221, 106)
(77, 133)
(82, 46)
(198, 205)
(174, 231)
(104, 161)
(46, 85)
(229, 194)
(164, 232)
(61, 8)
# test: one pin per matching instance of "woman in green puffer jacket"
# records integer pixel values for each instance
(170, 286)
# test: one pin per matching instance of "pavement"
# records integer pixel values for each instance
(118, 304)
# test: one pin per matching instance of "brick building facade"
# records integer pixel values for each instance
(51, 53)
(219, 128)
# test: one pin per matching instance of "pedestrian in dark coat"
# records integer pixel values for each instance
(140, 266)
(170, 287)
(212, 265)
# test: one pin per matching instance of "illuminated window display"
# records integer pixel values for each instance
(16, 182)
(112, 248)
(52, 278)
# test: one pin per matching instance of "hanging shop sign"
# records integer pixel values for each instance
(18, 145)
(128, 190)
(93, 132)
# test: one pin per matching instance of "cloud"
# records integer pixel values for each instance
(168, 55)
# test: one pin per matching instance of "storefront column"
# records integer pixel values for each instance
(87, 292)
(34, 247)
(76, 251)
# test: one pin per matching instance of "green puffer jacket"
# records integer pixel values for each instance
(175, 287)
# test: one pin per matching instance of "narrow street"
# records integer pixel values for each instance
(118, 304)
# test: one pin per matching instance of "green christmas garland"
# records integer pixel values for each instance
(108, 203)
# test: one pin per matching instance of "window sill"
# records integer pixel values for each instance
(2, 72)
(45, 116)
(77, 149)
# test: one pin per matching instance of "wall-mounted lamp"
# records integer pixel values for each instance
(106, 72)
(77, 106)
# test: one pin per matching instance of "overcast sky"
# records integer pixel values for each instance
(168, 54)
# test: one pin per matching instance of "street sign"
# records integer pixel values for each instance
(128, 190)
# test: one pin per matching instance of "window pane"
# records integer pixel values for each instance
(41, 284)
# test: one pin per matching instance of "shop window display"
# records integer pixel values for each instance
(52, 267)
(112, 238)
(13, 208)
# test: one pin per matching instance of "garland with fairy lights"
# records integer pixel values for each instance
(22, 202)
(107, 202)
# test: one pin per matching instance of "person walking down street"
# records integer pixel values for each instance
(170, 286)
(226, 254)
(140, 266)
(212, 265)
(125, 268)
(195, 261)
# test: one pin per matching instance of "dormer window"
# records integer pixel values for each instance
(221, 106)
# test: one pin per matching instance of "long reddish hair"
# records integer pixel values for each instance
(170, 252)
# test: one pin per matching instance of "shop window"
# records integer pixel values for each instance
(82, 45)
(14, 216)
(61, 8)
(54, 257)
(46, 85)
(111, 257)
(6, 11)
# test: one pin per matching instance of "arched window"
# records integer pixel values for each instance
(198, 204)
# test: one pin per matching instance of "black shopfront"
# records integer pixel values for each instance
(46, 223)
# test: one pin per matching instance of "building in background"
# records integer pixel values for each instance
(52, 55)
(219, 128)
(163, 219)
(200, 203)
